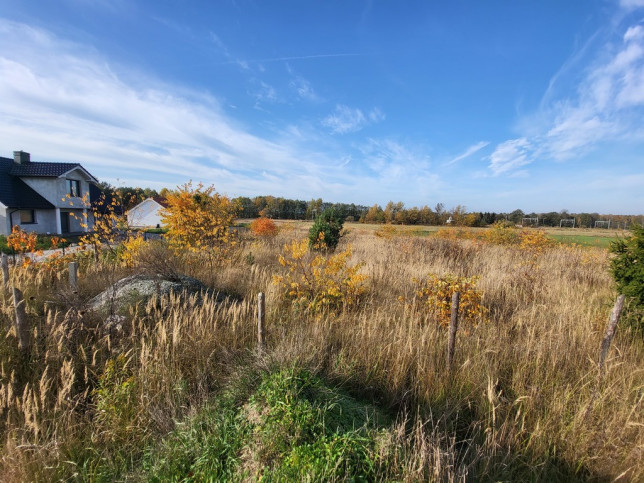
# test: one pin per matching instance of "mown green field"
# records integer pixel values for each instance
(584, 240)
(580, 236)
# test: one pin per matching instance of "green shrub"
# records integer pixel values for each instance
(290, 425)
(628, 264)
(325, 232)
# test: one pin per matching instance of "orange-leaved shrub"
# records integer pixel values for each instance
(435, 293)
(316, 282)
(263, 227)
(22, 241)
(56, 242)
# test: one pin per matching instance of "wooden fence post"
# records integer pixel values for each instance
(610, 331)
(5, 269)
(22, 324)
(261, 319)
(73, 275)
(453, 327)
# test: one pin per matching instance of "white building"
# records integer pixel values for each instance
(146, 214)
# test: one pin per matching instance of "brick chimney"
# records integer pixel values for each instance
(20, 157)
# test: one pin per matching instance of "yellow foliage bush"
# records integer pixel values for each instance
(199, 220)
(455, 234)
(130, 250)
(435, 293)
(502, 233)
(535, 241)
(318, 282)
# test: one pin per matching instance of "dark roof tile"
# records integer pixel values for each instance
(15, 193)
(42, 169)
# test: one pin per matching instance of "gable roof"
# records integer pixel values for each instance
(15, 193)
(161, 200)
(44, 169)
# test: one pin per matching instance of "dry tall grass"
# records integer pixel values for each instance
(524, 400)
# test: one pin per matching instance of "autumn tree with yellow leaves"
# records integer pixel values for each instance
(104, 221)
(199, 220)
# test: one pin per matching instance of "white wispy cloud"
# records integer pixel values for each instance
(299, 57)
(396, 169)
(510, 155)
(376, 115)
(468, 152)
(223, 49)
(631, 4)
(304, 89)
(64, 102)
(606, 101)
(263, 92)
(607, 106)
(346, 119)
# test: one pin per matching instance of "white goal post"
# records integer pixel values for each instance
(567, 222)
(602, 224)
(530, 221)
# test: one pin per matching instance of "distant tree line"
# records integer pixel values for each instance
(287, 209)
(396, 213)
(392, 213)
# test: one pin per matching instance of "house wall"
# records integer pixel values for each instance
(76, 220)
(146, 213)
(54, 190)
(5, 229)
(45, 221)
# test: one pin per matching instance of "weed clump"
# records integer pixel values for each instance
(292, 426)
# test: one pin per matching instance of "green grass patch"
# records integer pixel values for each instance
(287, 425)
(156, 230)
(584, 240)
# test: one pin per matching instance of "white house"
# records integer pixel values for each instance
(147, 213)
(33, 196)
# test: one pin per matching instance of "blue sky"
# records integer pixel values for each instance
(537, 105)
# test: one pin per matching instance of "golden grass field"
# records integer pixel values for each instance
(525, 400)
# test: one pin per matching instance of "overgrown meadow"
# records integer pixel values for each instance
(353, 382)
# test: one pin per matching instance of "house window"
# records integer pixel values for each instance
(27, 217)
(73, 187)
